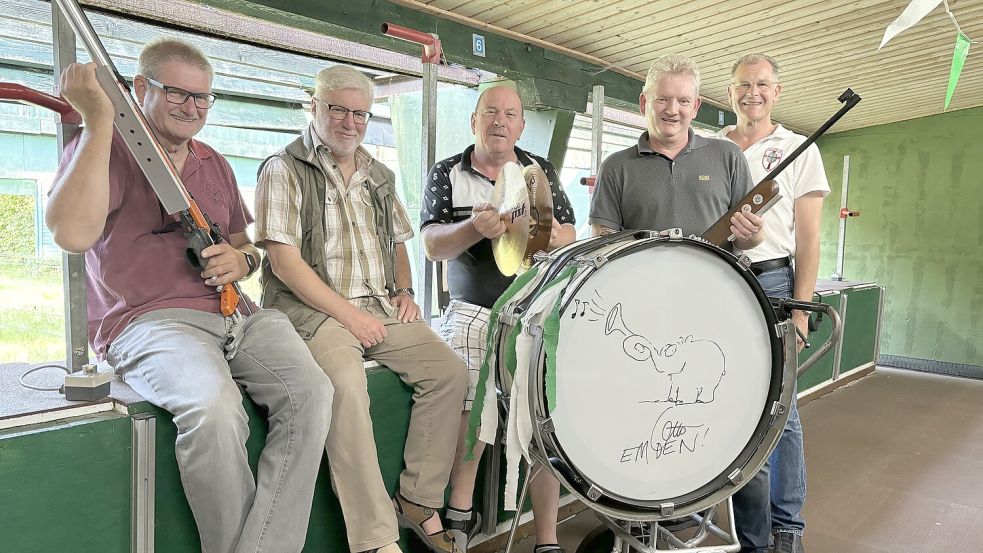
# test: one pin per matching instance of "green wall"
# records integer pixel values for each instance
(918, 187)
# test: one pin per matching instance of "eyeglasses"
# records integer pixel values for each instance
(746, 86)
(175, 95)
(339, 113)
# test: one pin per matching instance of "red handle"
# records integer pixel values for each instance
(57, 104)
(430, 43)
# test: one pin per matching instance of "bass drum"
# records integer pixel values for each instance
(657, 374)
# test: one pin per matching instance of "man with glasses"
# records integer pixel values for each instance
(156, 319)
(792, 240)
(337, 265)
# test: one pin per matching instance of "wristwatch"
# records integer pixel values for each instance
(250, 263)
(408, 291)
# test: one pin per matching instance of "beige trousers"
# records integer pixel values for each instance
(439, 380)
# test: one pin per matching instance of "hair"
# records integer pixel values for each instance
(481, 97)
(340, 77)
(668, 65)
(756, 58)
(162, 50)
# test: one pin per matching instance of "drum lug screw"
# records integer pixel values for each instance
(666, 509)
(598, 261)
(777, 408)
(745, 262)
(547, 426)
(736, 477)
(593, 493)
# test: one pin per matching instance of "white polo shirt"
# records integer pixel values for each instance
(804, 175)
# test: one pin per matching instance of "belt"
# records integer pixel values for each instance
(770, 264)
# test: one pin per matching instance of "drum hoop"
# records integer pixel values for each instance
(581, 484)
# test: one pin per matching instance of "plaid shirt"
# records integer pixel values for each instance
(352, 253)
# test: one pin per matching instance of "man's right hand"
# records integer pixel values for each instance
(487, 221)
(364, 327)
(81, 88)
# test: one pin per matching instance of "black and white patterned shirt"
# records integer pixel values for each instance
(453, 188)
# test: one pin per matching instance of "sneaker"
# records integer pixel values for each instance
(787, 542)
(463, 525)
(548, 548)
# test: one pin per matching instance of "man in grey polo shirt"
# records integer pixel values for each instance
(673, 177)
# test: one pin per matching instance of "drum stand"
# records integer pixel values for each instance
(644, 537)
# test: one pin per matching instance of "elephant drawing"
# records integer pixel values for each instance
(695, 366)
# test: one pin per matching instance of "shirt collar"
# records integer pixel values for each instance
(520, 154)
(199, 149)
(780, 133)
(693, 142)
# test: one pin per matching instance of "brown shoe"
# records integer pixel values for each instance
(412, 516)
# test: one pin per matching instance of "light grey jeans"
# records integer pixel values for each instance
(175, 359)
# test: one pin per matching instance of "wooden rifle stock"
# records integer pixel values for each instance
(202, 233)
(757, 201)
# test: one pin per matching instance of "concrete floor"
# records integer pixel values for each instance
(894, 464)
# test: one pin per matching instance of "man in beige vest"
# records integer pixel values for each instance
(334, 232)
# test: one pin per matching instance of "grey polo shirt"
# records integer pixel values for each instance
(638, 188)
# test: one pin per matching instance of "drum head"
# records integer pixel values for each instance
(664, 365)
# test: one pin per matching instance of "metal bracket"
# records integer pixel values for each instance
(736, 477)
(535, 330)
(546, 425)
(744, 261)
(666, 509)
(593, 493)
(776, 409)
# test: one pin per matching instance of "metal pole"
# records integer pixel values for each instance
(143, 482)
(428, 152)
(597, 129)
(841, 243)
(73, 265)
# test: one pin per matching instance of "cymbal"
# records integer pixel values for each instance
(525, 204)
(541, 211)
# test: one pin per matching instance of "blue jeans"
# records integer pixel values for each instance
(772, 501)
(175, 359)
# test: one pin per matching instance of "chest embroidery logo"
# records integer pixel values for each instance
(771, 158)
(705, 178)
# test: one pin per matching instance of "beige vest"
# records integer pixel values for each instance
(300, 158)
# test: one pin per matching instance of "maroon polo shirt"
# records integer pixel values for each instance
(138, 264)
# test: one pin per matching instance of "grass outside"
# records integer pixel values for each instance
(32, 309)
(32, 317)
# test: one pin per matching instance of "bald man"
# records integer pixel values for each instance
(458, 223)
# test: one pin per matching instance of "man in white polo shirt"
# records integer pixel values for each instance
(786, 263)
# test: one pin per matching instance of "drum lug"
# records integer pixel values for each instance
(540, 256)
(736, 477)
(780, 330)
(535, 331)
(547, 426)
(598, 261)
(666, 509)
(744, 261)
(593, 493)
(777, 408)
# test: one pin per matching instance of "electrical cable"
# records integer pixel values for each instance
(38, 368)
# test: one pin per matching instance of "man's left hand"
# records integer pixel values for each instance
(407, 310)
(801, 321)
(223, 264)
(745, 225)
(554, 235)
